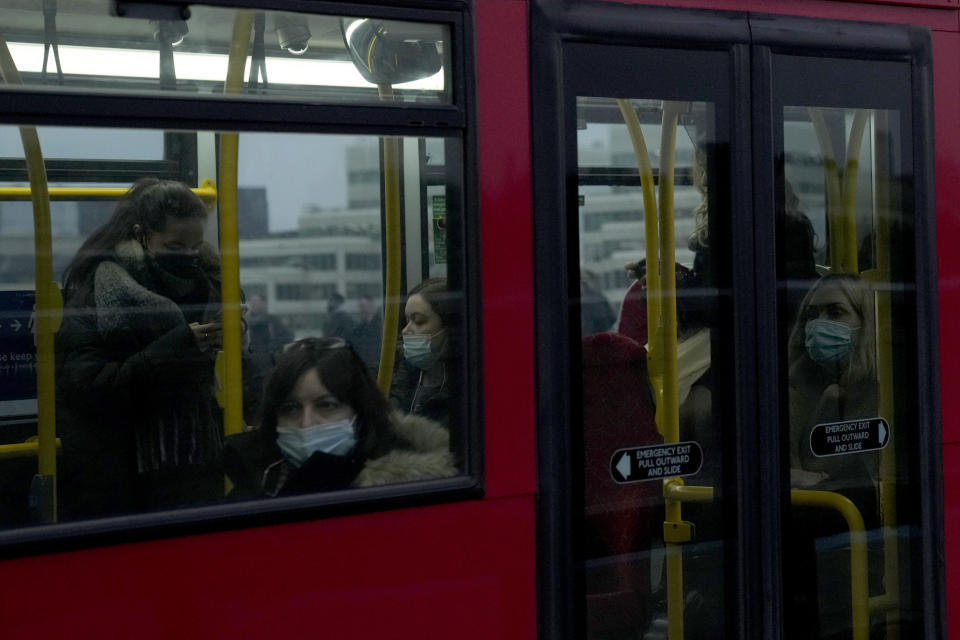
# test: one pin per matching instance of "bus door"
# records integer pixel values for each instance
(747, 350)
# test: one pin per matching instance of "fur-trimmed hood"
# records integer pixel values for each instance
(428, 458)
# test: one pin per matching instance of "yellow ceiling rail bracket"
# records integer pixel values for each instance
(859, 594)
(49, 306)
(391, 295)
(231, 380)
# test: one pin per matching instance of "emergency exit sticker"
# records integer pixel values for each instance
(654, 462)
(852, 436)
(439, 229)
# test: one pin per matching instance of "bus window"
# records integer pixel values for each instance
(343, 386)
(294, 56)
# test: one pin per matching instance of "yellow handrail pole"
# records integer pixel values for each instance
(860, 612)
(668, 275)
(230, 358)
(849, 258)
(49, 303)
(675, 489)
(667, 410)
(391, 214)
(831, 176)
(207, 192)
(23, 449)
(652, 234)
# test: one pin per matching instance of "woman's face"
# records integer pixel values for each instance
(310, 403)
(829, 302)
(181, 236)
(423, 320)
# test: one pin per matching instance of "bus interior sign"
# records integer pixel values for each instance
(655, 462)
(852, 436)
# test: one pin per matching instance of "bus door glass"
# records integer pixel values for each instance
(848, 341)
(649, 246)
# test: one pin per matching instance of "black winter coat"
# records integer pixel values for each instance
(136, 406)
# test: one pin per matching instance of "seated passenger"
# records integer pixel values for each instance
(421, 385)
(832, 378)
(326, 426)
(136, 405)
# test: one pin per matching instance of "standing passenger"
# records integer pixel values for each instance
(136, 408)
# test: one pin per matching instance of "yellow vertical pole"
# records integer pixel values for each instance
(230, 359)
(49, 304)
(391, 296)
(849, 260)
(651, 238)
(834, 197)
(668, 411)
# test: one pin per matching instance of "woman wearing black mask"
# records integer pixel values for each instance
(136, 406)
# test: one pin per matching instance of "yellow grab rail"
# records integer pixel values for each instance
(849, 263)
(229, 360)
(859, 594)
(206, 192)
(834, 194)
(49, 303)
(24, 449)
(651, 235)
(391, 294)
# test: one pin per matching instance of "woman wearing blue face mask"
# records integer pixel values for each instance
(832, 378)
(832, 371)
(422, 383)
(325, 427)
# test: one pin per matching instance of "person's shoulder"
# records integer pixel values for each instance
(248, 452)
(422, 433)
(427, 458)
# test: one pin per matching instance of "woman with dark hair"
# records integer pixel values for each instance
(136, 406)
(422, 382)
(325, 426)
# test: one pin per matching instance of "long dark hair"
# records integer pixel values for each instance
(148, 203)
(345, 375)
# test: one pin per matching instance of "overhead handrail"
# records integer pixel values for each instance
(207, 192)
(49, 307)
(393, 248)
(860, 602)
(229, 360)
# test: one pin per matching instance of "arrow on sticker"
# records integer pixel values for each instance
(16, 325)
(881, 434)
(623, 466)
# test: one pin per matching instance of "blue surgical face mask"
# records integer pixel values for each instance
(418, 351)
(828, 341)
(336, 438)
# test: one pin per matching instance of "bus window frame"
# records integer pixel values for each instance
(456, 123)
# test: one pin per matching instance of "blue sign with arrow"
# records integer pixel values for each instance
(18, 346)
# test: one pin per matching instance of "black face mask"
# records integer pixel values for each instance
(180, 265)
